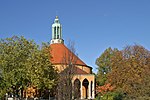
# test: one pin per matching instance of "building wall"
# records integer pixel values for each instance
(85, 92)
(60, 68)
(89, 92)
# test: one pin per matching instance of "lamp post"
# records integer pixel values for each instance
(49, 95)
(6, 96)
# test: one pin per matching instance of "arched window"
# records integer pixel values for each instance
(77, 89)
(85, 88)
(54, 32)
(57, 32)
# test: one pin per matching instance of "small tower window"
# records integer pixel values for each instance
(57, 32)
(54, 32)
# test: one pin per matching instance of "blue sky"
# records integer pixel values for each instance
(94, 25)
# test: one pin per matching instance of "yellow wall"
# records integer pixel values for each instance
(62, 67)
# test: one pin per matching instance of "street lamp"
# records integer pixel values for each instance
(49, 95)
(6, 96)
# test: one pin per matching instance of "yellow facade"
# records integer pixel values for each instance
(87, 88)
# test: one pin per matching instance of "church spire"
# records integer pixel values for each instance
(57, 32)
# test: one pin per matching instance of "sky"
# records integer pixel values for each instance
(93, 25)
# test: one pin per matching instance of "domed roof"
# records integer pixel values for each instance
(62, 55)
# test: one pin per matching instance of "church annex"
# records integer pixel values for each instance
(82, 73)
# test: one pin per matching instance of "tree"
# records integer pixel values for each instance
(65, 87)
(22, 62)
(104, 67)
(130, 72)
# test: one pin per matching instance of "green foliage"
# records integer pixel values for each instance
(23, 63)
(104, 65)
(101, 79)
(111, 96)
(103, 62)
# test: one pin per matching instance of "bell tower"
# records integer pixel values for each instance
(57, 32)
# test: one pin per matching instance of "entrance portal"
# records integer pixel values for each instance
(85, 88)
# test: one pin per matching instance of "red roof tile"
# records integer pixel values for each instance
(60, 51)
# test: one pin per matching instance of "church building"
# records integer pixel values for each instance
(82, 73)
